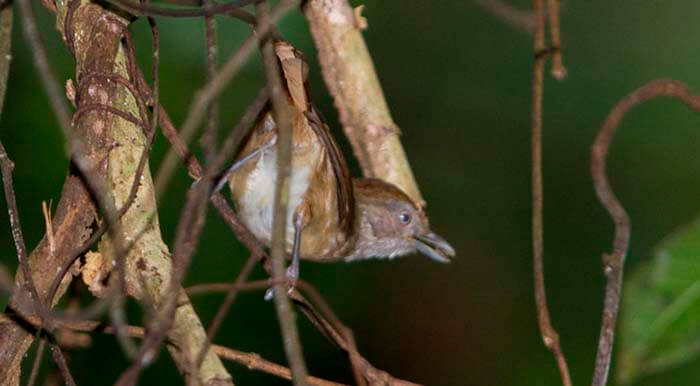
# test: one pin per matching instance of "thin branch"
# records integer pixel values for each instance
(6, 16)
(38, 356)
(613, 262)
(238, 284)
(210, 288)
(250, 360)
(255, 362)
(549, 334)
(155, 45)
(60, 360)
(210, 136)
(6, 166)
(338, 333)
(45, 70)
(236, 135)
(558, 69)
(278, 246)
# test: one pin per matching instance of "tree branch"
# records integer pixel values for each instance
(278, 248)
(148, 266)
(550, 336)
(43, 262)
(251, 360)
(351, 79)
(100, 131)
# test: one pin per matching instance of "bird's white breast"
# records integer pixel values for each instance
(257, 204)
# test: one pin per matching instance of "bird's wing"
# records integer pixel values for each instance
(295, 73)
(344, 193)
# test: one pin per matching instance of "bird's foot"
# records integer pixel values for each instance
(292, 275)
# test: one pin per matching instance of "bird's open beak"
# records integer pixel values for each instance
(435, 247)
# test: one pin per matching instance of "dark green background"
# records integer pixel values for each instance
(458, 83)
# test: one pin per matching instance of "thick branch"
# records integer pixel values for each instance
(148, 263)
(100, 130)
(74, 215)
(350, 76)
(71, 225)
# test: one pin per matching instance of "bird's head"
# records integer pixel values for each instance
(391, 224)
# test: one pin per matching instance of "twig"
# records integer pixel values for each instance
(338, 333)
(254, 362)
(46, 210)
(209, 138)
(46, 74)
(236, 135)
(209, 288)
(250, 360)
(6, 16)
(232, 291)
(549, 334)
(351, 78)
(60, 360)
(613, 262)
(38, 356)
(278, 246)
(6, 165)
(558, 69)
(155, 37)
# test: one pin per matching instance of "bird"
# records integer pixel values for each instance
(330, 216)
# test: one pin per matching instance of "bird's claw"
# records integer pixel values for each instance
(292, 275)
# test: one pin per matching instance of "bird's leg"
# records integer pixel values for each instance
(223, 178)
(300, 219)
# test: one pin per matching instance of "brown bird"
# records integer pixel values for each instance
(330, 217)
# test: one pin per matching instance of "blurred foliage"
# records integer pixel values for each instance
(458, 82)
(661, 323)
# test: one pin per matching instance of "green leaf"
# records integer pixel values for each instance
(660, 322)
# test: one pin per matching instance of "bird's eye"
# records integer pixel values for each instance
(405, 218)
